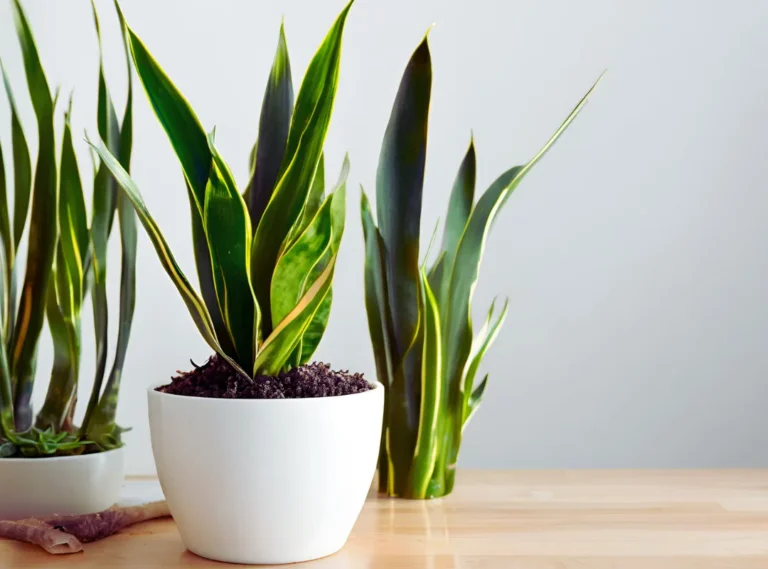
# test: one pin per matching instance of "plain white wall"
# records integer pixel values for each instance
(634, 254)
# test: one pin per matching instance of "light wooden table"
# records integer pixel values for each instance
(512, 520)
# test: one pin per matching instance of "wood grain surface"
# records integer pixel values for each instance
(713, 519)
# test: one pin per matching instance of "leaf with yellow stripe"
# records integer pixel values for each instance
(278, 347)
(193, 302)
(228, 232)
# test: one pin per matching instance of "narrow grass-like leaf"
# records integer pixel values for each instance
(5, 231)
(7, 425)
(279, 346)
(469, 252)
(485, 339)
(42, 237)
(104, 207)
(62, 389)
(399, 185)
(459, 209)
(274, 124)
(309, 125)
(474, 401)
(102, 426)
(22, 170)
(427, 439)
(228, 231)
(193, 302)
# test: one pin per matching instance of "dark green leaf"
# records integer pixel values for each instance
(309, 125)
(274, 123)
(459, 209)
(22, 170)
(182, 126)
(474, 400)
(376, 299)
(399, 185)
(228, 230)
(42, 237)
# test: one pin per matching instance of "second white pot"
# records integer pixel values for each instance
(265, 481)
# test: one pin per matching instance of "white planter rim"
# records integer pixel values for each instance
(152, 390)
(71, 458)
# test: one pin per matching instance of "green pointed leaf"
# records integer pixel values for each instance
(228, 230)
(484, 340)
(182, 126)
(190, 143)
(309, 125)
(376, 299)
(193, 302)
(104, 208)
(42, 237)
(459, 209)
(22, 170)
(399, 186)
(474, 401)
(5, 224)
(466, 267)
(427, 438)
(102, 428)
(280, 345)
(274, 124)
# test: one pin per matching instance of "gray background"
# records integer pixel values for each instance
(634, 255)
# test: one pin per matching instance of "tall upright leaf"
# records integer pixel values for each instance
(427, 438)
(274, 123)
(22, 170)
(190, 143)
(228, 231)
(459, 209)
(309, 125)
(104, 207)
(102, 425)
(65, 294)
(42, 238)
(193, 302)
(399, 185)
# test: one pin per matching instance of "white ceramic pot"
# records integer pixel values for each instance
(60, 485)
(265, 480)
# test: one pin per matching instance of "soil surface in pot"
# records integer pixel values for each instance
(217, 379)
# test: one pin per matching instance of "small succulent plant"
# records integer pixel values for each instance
(265, 257)
(66, 259)
(420, 319)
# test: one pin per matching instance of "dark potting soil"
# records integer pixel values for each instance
(217, 379)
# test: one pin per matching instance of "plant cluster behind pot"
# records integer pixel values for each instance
(66, 261)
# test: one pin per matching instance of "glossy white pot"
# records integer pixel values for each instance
(60, 485)
(265, 480)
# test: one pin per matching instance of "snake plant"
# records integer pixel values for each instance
(420, 319)
(65, 258)
(265, 257)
